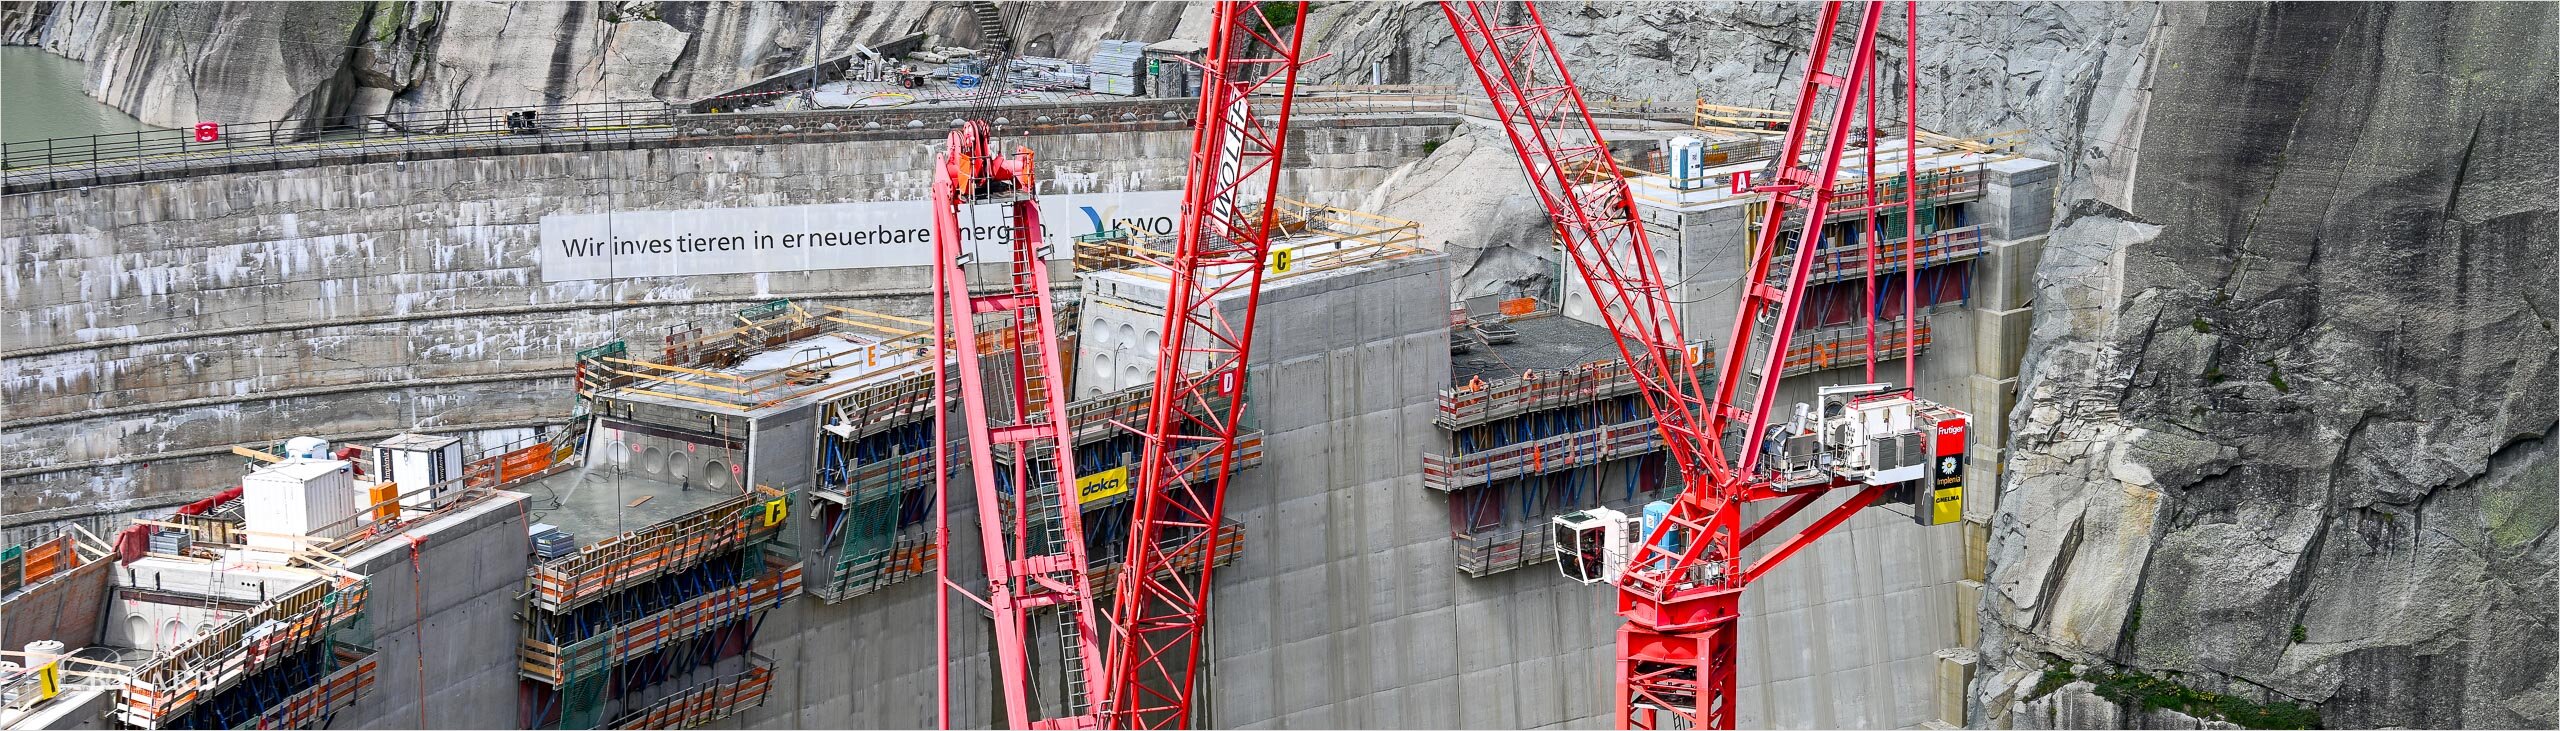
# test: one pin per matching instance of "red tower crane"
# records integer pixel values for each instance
(1679, 579)
(1161, 604)
(1013, 400)
(1680, 576)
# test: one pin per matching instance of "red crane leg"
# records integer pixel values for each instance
(1028, 526)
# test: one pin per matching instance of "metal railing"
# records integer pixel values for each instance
(121, 157)
(106, 153)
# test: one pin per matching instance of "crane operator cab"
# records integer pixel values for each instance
(1592, 545)
(1870, 434)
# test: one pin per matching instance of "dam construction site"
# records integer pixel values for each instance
(431, 364)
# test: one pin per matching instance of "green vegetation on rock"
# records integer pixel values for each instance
(2147, 692)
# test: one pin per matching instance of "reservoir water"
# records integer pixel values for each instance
(41, 97)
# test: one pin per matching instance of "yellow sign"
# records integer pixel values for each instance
(49, 680)
(1282, 260)
(1102, 484)
(1947, 506)
(775, 510)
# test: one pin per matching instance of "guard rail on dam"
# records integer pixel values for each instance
(34, 166)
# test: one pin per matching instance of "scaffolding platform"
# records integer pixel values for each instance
(700, 705)
(554, 665)
(605, 566)
(1843, 263)
(172, 682)
(336, 692)
(1541, 456)
(1844, 346)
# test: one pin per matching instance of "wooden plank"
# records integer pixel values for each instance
(680, 369)
(642, 499)
(869, 326)
(882, 315)
(682, 382)
(254, 454)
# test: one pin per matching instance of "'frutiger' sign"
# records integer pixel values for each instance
(1946, 477)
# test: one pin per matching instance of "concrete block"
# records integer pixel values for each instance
(1794, 703)
(2000, 342)
(1248, 686)
(2004, 275)
(1245, 608)
(1954, 675)
(1918, 624)
(1989, 400)
(1486, 699)
(1845, 634)
(1968, 618)
(1298, 615)
(1306, 675)
(1540, 701)
(1977, 549)
(1433, 704)
(1429, 648)
(1787, 649)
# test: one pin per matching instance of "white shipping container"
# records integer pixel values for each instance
(416, 462)
(302, 498)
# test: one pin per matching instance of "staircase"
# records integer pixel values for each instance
(991, 34)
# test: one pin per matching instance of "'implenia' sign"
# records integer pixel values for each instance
(826, 236)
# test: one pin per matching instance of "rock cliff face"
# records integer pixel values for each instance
(173, 64)
(1986, 66)
(2284, 433)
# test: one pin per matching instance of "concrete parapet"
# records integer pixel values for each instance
(2017, 197)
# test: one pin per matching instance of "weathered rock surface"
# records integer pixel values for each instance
(2285, 426)
(173, 64)
(1986, 66)
(1497, 239)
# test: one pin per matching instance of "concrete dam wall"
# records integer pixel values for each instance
(152, 325)
(161, 322)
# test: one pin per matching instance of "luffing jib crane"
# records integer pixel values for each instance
(1679, 574)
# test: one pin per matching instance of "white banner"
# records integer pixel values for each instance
(826, 236)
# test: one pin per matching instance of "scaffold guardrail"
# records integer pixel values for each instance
(1840, 263)
(170, 683)
(1484, 401)
(1841, 347)
(1541, 456)
(551, 664)
(702, 704)
(605, 566)
(353, 679)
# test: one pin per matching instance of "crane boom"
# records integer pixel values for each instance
(1161, 602)
(1681, 580)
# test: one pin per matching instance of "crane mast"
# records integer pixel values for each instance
(1161, 602)
(1680, 578)
(1000, 344)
